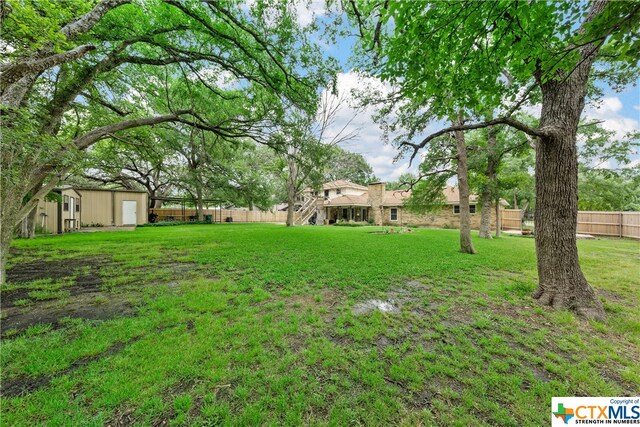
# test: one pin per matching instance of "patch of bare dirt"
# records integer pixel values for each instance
(84, 298)
(24, 384)
(55, 269)
(90, 306)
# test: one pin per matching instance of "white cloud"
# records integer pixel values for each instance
(633, 163)
(606, 164)
(610, 111)
(610, 105)
(307, 11)
(216, 77)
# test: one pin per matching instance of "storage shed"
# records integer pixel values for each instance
(86, 207)
(113, 207)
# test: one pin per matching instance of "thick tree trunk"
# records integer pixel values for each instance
(498, 218)
(487, 192)
(28, 226)
(561, 282)
(9, 219)
(485, 214)
(291, 191)
(6, 235)
(466, 246)
(200, 207)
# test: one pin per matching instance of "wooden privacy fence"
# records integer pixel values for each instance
(616, 224)
(619, 224)
(511, 219)
(218, 215)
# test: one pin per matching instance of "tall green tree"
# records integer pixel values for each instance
(609, 191)
(447, 56)
(343, 164)
(76, 72)
(606, 181)
(488, 149)
(139, 160)
(307, 141)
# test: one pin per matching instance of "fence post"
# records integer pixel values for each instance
(621, 223)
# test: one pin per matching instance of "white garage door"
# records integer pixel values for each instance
(129, 212)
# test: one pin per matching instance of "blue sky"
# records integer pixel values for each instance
(620, 112)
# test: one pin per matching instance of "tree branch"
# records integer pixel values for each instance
(104, 132)
(88, 20)
(540, 132)
(11, 73)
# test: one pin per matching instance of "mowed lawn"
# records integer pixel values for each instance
(268, 325)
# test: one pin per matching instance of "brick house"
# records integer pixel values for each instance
(345, 201)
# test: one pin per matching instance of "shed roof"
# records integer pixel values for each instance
(118, 190)
(67, 188)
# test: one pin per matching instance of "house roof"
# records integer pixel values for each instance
(452, 195)
(342, 183)
(395, 197)
(349, 200)
(391, 197)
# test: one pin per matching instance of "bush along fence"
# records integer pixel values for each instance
(614, 224)
(217, 215)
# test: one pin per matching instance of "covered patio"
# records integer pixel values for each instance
(347, 208)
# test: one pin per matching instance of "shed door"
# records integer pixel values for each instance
(129, 212)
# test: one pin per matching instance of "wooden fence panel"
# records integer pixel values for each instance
(631, 224)
(219, 215)
(615, 224)
(511, 219)
(600, 223)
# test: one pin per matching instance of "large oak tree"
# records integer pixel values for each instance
(498, 56)
(73, 73)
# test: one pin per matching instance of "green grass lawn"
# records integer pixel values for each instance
(265, 325)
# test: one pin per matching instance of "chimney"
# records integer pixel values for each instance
(376, 200)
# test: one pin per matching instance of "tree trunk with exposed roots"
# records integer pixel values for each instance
(561, 283)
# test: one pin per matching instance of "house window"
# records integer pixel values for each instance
(345, 213)
(65, 206)
(338, 191)
(394, 214)
(326, 193)
(77, 206)
(456, 209)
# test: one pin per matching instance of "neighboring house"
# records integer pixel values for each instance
(346, 201)
(82, 207)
